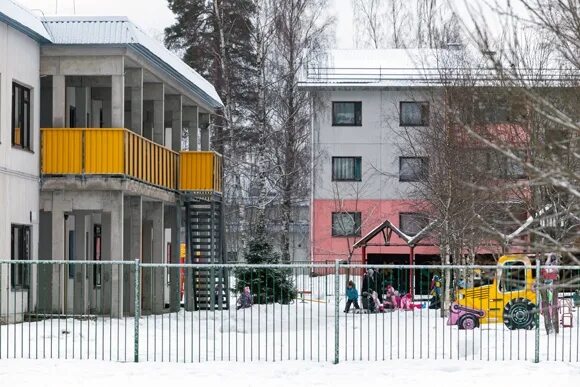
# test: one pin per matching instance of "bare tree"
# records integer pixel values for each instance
(300, 29)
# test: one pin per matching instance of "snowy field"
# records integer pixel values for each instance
(77, 373)
(188, 347)
(301, 331)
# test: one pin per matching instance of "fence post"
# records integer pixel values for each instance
(336, 310)
(137, 307)
(537, 317)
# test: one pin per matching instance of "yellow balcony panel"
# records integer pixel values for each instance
(200, 171)
(61, 151)
(108, 151)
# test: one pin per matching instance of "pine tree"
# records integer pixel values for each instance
(268, 284)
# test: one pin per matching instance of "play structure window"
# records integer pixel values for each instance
(513, 277)
(346, 113)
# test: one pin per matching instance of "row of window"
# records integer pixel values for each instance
(414, 169)
(350, 168)
(21, 134)
(348, 224)
(350, 113)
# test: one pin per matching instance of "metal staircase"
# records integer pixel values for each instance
(205, 241)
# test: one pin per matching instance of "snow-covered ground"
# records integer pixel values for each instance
(303, 330)
(77, 373)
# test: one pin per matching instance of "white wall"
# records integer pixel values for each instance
(19, 169)
(378, 141)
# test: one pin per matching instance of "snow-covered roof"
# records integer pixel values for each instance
(23, 20)
(120, 31)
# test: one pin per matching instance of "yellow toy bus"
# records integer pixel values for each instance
(510, 298)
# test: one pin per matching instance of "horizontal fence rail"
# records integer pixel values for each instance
(133, 311)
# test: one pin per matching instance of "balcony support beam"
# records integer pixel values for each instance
(133, 224)
(174, 105)
(134, 81)
(112, 221)
(58, 101)
(118, 101)
(173, 222)
(155, 92)
(190, 122)
(204, 121)
(153, 241)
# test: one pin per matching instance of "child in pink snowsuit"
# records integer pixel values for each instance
(406, 303)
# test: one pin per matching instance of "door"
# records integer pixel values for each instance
(511, 281)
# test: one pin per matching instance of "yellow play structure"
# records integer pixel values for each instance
(510, 298)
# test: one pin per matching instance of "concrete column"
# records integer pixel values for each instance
(190, 122)
(134, 81)
(57, 254)
(204, 129)
(117, 101)
(133, 243)
(112, 231)
(173, 221)
(58, 101)
(153, 238)
(174, 105)
(80, 276)
(155, 92)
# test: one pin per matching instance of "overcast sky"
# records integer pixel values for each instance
(153, 15)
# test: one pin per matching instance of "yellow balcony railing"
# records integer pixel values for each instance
(200, 171)
(108, 152)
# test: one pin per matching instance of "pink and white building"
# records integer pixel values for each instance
(361, 176)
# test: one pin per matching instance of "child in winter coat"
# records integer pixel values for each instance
(407, 304)
(377, 306)
(351, 297)
(392, 298)
(245, 300)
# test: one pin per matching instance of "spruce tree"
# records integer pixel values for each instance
(267, 284)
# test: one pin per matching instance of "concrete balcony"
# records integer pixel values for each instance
(73, 154)
(107, 152)
(200, 172)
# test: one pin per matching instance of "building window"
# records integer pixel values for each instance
(412, 222)
(346, 168)
(414, 114)
(346, 113)
(20, 116)
(346, 224)
(413, 168)
(499, 165)
(20, 251)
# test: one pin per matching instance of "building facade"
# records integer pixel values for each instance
(21, 36)
(361, 174)
(105, 157)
